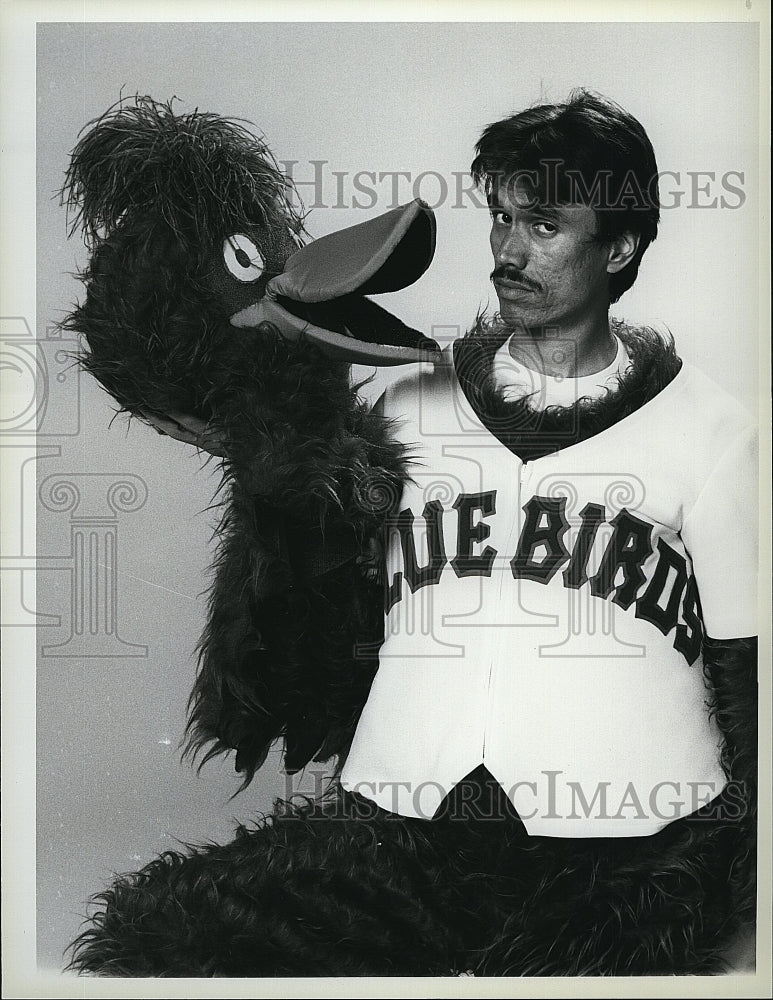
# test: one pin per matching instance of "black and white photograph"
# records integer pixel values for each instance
(386, 485)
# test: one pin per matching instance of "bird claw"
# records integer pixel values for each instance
(371, 561)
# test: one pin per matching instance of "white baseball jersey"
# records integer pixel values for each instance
(545, 618)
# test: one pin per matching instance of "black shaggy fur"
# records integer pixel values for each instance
(136, 160)
(289, 647)
(340, 887)
(531, 431)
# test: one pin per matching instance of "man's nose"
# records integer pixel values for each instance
(512, 249)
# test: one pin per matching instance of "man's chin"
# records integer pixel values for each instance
(512, 314)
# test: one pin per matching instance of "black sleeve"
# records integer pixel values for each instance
(731, 669)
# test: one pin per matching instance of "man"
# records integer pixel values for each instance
(538, 784)
(585, 403)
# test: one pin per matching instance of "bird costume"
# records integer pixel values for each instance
(201, 300)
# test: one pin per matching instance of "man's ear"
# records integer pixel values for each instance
(622, 249)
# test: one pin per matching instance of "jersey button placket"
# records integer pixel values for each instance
(500, 612)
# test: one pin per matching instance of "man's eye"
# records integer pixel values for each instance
(500, 218)
(545, 228)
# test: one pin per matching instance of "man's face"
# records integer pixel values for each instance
(550, 271)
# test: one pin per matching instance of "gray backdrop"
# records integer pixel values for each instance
(112, 792)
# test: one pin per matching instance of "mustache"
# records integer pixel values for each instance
(513, 274)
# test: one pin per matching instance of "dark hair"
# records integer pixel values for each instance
(588, 151)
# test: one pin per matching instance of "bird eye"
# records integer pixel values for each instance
(242, 258)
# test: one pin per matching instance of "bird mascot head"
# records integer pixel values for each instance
(198, 275)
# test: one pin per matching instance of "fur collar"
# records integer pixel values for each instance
(533, 433)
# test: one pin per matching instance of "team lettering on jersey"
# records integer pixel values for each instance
(667, 598)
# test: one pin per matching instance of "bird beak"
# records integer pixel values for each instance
(320, 295)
